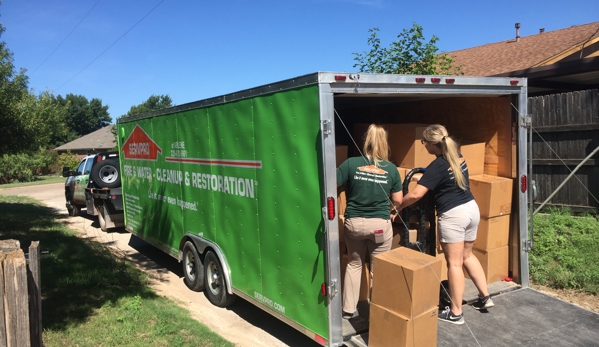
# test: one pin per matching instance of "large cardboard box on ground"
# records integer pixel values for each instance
(404, 143)
(474, 153)
(492, 232)
(493, 194)
(406, 281)
(340, 154)
(365, 279)
(389, 329)
(494, 263)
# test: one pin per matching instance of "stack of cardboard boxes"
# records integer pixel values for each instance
(405, 295)
(494, 198)
(492, 193)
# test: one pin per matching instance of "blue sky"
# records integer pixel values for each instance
(124, 51)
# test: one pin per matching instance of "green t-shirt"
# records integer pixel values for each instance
(368, 187)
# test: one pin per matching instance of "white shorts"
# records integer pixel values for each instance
(459, 224)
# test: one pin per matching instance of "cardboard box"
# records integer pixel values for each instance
(403, 171)
(441, 255)
(494, 263)
(398, 236)
(493, 194)
(492, 233)
(341, 201)
(342, 244)
(340, 154)
(406, 281)
(404, 143)
(365, 280)
(474, 153)
(388, 328)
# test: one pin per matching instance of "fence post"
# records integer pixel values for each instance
(35, 294)
(16, 298)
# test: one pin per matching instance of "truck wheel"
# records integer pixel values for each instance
(193, 269)
(106, 174)
(214, 281)
(74, 210)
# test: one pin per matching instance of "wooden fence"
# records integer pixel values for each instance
(20, 296)
(566, 131)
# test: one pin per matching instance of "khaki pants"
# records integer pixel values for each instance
(362, 234)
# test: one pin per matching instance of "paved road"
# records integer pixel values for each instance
(243, 323)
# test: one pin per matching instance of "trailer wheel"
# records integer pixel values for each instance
(106, 174)
(193, 269)
(216, 288)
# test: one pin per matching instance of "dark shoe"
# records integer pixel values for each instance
(350, 315)
(448, 316)
(483, 303)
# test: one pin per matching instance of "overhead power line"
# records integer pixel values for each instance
(76, 26)
(117, 40)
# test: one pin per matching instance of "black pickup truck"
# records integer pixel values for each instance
(100, 175)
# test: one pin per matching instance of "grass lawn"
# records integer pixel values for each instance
(55, 178)
(91, 297)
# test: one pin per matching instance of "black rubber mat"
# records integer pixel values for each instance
(524, 317)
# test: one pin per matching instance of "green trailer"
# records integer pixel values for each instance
(241, 188)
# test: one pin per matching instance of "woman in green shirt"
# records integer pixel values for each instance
(370, 180)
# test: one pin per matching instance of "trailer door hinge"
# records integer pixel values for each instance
(333, 288)
(326, 127)
(526, 121)
(527, 245)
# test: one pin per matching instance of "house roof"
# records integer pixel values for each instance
(553, 62)
(98, 140)
(546, 48)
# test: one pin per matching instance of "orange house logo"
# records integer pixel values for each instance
(372, 169)
(140, 146)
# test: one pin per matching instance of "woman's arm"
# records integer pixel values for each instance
(413, 196)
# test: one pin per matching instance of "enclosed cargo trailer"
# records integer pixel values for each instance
(241, 188)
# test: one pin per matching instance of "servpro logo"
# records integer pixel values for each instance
(140, 146)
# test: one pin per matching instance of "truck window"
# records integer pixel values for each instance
(88, 166)
(81, 167)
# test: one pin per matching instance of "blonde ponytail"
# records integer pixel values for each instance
(437, 134)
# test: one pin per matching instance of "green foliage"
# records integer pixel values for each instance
(83, 116)
(24, 167)
(92, 297)
(565, 252)
(154, 102)
(410, 54)
(13, 88)
(69, 160)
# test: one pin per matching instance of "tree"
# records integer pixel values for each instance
(84, 116)
(154, 102)
(42, 121)
(408, 55)
(13, 88)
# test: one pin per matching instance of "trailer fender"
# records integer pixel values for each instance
(203, 245)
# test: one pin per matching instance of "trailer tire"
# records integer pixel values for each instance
(214, 282)
(106, 174)
(193, 269)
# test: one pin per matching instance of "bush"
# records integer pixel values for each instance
(69, 160)
(565, 253)
(24, 167)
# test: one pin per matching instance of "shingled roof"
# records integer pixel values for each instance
(97, 141)
(545, 48)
